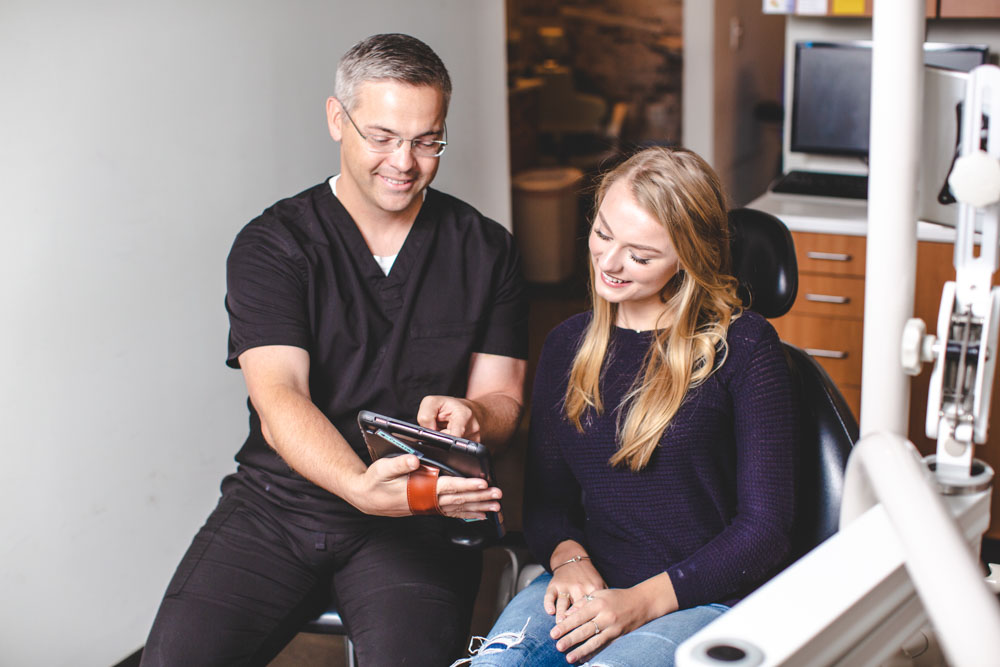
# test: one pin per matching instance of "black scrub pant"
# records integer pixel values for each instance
(251, 577)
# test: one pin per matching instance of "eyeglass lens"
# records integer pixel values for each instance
(390, 144)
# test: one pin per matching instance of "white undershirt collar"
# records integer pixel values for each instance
(384, 261)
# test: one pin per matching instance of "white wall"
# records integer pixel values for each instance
(733, 58)
(135, 140)
(697, 79)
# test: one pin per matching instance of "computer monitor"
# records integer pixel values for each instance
(831, 92)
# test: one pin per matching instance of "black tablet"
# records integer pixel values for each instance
(461, 457)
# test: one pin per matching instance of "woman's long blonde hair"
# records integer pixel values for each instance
(680, 190)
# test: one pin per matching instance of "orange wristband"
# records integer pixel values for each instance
(421, 490)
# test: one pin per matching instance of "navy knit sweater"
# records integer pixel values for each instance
(714, 506)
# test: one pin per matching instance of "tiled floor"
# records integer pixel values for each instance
(312, 651)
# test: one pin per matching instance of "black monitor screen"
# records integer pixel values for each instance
(832, 91)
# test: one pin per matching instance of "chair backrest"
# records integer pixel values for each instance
(764, 263)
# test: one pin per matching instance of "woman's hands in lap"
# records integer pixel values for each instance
(570, 583)
(614, 612)
(597, 618)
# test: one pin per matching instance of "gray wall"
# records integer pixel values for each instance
(135, 140)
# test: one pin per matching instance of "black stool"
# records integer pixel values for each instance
(330, 623)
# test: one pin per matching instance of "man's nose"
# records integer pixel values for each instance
(402, 158)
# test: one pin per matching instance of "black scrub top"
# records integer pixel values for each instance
(302, 275)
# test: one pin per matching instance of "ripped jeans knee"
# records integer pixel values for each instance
(492, 645)
(520, 637)
(528, 646)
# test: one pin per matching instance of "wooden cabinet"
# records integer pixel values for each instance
(969, 9)
(827, 322)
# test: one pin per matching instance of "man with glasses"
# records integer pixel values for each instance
(368, 291)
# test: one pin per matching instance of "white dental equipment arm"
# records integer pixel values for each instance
(905, 551)
(964, 352)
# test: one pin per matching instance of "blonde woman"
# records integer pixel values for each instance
(660, 475)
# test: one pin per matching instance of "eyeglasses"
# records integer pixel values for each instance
(390, 143)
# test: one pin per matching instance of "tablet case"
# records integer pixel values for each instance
(461, 457)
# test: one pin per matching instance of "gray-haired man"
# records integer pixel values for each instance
(367, 291)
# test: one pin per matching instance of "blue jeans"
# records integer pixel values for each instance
(520, 637)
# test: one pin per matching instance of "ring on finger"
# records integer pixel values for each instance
(597, 628)
(588, 597)
(564, 595)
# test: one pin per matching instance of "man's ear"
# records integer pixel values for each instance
(335, 118)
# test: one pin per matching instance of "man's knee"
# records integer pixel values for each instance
(426, 624)
(234, 594)
(185, 634)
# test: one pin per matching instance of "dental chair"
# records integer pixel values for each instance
(764, 262)
(763, 255)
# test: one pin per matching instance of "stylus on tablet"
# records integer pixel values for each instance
(388, 437)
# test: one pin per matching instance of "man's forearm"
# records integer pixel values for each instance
(496, 394)
(306, 440)
(498, 415)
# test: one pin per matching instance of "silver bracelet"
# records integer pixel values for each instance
(574, 559)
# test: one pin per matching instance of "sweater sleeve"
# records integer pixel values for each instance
(758, 539)
(552, 508)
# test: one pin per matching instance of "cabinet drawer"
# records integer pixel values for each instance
(830, 253)
(835, 344)
(834, 296)
(970, 9)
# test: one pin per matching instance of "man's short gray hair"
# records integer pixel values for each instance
(392, 57)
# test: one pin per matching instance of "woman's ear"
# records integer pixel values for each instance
(674, 284)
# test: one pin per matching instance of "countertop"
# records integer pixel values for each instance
(831, 215)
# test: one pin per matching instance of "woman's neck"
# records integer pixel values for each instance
(642, 319)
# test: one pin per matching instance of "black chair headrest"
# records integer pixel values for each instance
(763, 261)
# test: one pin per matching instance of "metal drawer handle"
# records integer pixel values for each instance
(829, 256)
(828, 298)
(826, 354)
